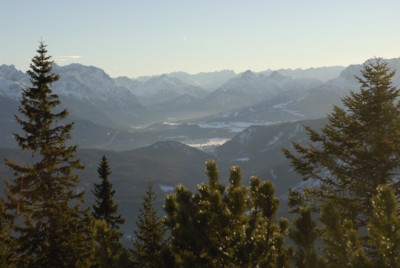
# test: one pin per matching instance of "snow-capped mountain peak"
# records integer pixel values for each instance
(12, 81)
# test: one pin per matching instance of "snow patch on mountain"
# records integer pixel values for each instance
(86, 83)
(12, 81)
(275, 139)
(166, 188)
(295, 131)
(206, 144)
(273, 174)
(284, 108)
(245, 136)
(234, 127)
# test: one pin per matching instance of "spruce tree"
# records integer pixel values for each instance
(7, 254)
(358, 149)
(109, 250)
(148, 242)
(51, 228)
(106, 209)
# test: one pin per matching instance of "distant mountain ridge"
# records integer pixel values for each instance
(250, 88)
(321, 73)
(120, 106)
(163, 88)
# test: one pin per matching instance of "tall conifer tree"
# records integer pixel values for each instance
(7, 254)
(358, 149)
(109, 250)
(51, 227)
(148, 242)
(106, 209)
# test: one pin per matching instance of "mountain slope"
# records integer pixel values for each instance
(165, 164)
(90, 94)
(159, 89)
(258, 150)
(250, 88)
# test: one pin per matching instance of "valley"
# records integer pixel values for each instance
(163, 128)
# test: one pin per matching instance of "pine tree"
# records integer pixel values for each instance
(304, 233)
(109, 252)
(384, 228)
(106, 209)
(199, 224)
(342, 242)
(148, 242)
(44, 198)
(264, 244)
(226, 227)
(358, 149)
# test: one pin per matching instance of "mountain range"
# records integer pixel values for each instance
(145, 125)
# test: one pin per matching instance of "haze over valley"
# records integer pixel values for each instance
(164, 127)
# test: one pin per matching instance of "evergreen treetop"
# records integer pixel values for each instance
(148, 242)
(105, 207)
(44, 198)
(304, 234)
(226, 227)
(358, 149)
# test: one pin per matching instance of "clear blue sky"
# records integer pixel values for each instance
(146, 37)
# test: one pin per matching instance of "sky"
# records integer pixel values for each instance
(150, 37)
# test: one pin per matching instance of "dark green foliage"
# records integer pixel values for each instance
(232, 227)
(7, 256)
(304, 234)
(106, 209)
(384, 228)
(109, 252)
(359, 149)
(342, 242)
(51, 228)
(148, 243)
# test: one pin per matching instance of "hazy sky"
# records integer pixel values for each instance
(134, 38)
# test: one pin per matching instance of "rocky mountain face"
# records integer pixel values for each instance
(11, 82)
(92, 95)
(161, 89)
(258, 97)
(88, 93)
